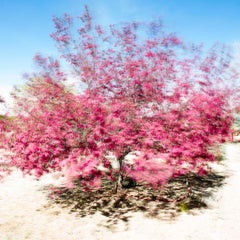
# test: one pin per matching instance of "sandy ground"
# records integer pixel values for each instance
(24, 214)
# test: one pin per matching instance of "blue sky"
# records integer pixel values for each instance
(26, 25)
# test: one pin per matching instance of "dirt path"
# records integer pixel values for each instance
(24, 214)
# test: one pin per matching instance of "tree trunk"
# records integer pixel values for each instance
(118, 183)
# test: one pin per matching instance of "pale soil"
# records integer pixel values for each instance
(26, 214)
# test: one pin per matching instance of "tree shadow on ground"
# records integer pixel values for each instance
(183, 193)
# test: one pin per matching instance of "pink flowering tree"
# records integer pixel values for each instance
(144, 94)
(2, 121)
(4, 167)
